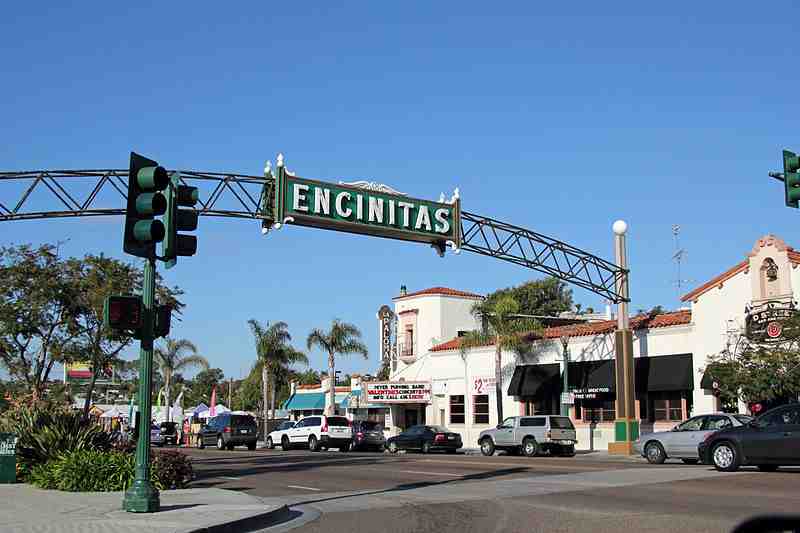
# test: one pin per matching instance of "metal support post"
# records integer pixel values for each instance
(142, 496)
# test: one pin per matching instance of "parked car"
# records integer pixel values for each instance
(155, 436)
(319, 432)
(276, 435)
(681, 441)
(169, 433)
(368, 435)
(531, 435)
(425, 439)
(769, 441)
(228, 430)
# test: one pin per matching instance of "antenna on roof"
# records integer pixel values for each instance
(678, 257)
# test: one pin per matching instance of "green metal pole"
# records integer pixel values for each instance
(565, 386)
(142, 496)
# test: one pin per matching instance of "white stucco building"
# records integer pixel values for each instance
(670, 351)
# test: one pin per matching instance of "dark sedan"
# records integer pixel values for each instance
(368, 435)
(769, 441)
(425, 439)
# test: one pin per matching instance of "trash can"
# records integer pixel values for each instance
(8, 458)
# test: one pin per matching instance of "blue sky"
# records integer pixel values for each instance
(558, 118)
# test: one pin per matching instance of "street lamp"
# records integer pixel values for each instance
(565, 398)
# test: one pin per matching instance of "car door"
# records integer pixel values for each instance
(504, 436)
(209, 432)
(766, 441)
(791, 433)
(409, 438)
(683, 440)
(293, 434)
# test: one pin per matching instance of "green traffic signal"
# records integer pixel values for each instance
(175, 244)
(791, 178)
(142, 231)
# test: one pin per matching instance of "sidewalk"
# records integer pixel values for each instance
(24, 509)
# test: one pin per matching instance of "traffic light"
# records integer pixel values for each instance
(791, 178)
(176, 219)
(163, 320)
(146, 180)
(123, 313)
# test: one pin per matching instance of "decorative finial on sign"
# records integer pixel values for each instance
(452, 244)
(279, 160)
(268, 168)
(455, 196)
(441, 197)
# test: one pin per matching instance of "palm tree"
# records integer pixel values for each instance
(176, 356)
(342, 338)
(274, 354)
(506, 329)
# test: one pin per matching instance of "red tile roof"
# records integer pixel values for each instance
(443, 291)
(674, 318)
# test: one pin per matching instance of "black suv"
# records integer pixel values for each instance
(228, 430)
(368, 435)
(771, 440)
(169, 433)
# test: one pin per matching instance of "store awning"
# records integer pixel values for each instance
(667, 373)
(305, 402)
(354, 401)
(592, 374)
(534, 380)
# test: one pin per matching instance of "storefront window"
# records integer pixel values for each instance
(666, 406)
(481, 408)
(597, 410)
(457, 409)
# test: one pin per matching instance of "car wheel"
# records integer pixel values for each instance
(220, 444)
(285, 444)
(251, 446)
(229, 447)
(426, 447)
(392, 447)
(725, 457)
(690, 461)
(270, 444)
(487, 447)
(768, 468)
(655, 453)
(312, 443)
(530, 447)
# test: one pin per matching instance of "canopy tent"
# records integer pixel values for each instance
(114, 413)
(219, 409)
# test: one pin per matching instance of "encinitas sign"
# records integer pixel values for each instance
(354, 209)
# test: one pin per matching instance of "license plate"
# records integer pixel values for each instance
(450, 437)
(564, 441)
(242, 431)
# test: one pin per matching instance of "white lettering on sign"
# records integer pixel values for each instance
(423, 218)
(483, 385)
(322, 201)
(442, 226)
(406, 207)
(376, 210)
(8, 446)
(342, 211)
(399, 392)
(300, 200)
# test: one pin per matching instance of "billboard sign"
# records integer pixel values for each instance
(399, 392)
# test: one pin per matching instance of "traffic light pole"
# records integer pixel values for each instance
(142, 496)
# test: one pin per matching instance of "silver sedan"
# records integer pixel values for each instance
(681, 441)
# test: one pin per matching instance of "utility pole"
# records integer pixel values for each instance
(230, 394)
(566, 397)
(626, 426)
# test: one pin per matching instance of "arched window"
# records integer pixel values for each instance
(769, 279)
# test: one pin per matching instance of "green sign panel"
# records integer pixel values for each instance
(356, 209)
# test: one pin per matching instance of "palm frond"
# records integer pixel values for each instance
(354, 346)
(317, 337)
(191, 361)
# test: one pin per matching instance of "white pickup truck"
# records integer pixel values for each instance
(531, 435)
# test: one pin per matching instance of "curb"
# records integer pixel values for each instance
(250, 523)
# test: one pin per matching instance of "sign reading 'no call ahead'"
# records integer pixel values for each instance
(353, 209)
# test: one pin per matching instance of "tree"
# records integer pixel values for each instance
(342, 338)
(200, 387)
(308, 377)
(505, 330)
(274, 352)
(759, 372)
(543, 297)
(37, 314)
(176, 356)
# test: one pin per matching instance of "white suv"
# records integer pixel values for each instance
(319, 432)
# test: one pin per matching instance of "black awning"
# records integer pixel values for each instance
(592, 374)
(535, 380)
(667, 373)
(706, 382)
(516, 381)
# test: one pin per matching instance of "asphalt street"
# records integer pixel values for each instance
(333, 491)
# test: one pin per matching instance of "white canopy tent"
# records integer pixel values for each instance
(219, 410)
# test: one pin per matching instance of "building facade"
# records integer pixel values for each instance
(457, 389)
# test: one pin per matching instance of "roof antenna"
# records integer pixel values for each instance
(678, 257)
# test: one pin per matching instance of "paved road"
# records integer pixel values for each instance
(440, 493)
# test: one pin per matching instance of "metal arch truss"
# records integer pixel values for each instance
(523, 247)
(82, 193)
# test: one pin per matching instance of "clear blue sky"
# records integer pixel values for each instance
(559, 118)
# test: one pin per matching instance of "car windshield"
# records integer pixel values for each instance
(243, 420)
(370, 426)
(744, 419)
(439, 429)
(338, 421)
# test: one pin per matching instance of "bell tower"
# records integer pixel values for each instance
(770, 270)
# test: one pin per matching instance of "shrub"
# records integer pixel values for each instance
(45, 433)
(104, 471)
